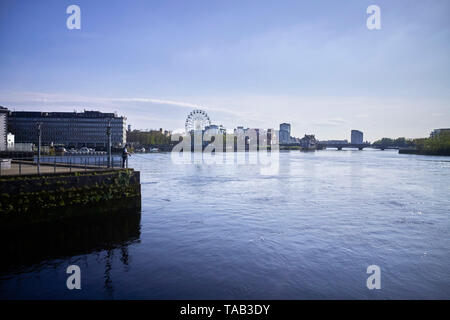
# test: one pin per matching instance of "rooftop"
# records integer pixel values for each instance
(85, 114)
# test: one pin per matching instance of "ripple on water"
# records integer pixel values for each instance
(230, 232)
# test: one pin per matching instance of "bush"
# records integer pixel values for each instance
(439, 143)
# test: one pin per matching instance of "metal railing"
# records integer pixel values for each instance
(58, 164)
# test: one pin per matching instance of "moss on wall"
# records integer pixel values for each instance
(55, 196)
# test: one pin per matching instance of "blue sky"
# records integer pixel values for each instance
(252, 63)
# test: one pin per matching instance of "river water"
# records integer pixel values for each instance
(227, 231)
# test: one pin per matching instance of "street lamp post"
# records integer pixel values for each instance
(39, 149)
(108, 132)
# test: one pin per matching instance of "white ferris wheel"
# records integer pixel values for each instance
(197, 120)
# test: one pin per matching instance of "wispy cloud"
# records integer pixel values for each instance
(157, 101)
(327, 117)
(331, 122)
(33, 100)
(24, 97)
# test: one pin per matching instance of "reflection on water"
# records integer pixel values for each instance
(28, 248)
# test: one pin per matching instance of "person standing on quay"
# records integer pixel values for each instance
(125, 155)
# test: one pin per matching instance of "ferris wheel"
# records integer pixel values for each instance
(197, 120)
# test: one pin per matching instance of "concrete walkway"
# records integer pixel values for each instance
(17, 169)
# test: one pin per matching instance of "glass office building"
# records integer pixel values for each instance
(3, 128)
(70, 129)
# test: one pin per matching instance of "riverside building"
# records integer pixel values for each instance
(357, 137)
(285, 133)
(71, 129)
(3, 128)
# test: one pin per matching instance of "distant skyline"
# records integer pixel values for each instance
(313, 64)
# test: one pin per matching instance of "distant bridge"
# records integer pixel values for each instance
(339, 146)
(377, 146)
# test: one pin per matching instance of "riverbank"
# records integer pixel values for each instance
(425, 152)
(29, 199)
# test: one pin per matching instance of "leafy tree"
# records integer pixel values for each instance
(153, 137)
(438, 144)
(398, 143)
